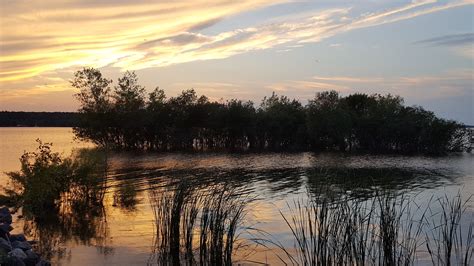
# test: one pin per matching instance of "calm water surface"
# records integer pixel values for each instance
(123, 235)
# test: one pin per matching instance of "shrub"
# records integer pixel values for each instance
(45, 177)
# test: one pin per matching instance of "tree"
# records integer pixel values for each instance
(282, 122)
(239, 125)
(129, 107)
(156, 120)
(129, 95)
(180, 109)
(328, 122)
(95, 105)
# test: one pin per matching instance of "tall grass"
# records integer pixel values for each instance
(399, 230)
(221, 215)
(450, 243)
(183, 213)
(329, 233)
(167, 207)
(388, 230)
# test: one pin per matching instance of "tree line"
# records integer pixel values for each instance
(124, 117)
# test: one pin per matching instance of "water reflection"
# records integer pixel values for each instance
(125, 195)
(79, 222)
(358, 182)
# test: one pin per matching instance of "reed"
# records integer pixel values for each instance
(449, 242)
(182, 214)
(168, 207)
(399, 230)
(328, 233)
(197, 226)
(388, 230)
(221, 216)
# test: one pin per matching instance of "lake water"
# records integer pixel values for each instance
(124, 235)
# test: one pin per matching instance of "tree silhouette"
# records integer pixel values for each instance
(96, 106)
(125, 119)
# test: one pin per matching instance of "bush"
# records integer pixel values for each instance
(45, 177)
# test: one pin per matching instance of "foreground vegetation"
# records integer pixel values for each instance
(124, 118)
(47, 180)
(387, 230)
(183, 214)
(61, 198)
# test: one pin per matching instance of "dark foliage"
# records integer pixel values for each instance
(46, 180)
(123, 118)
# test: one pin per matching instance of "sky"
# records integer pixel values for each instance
(422, 50)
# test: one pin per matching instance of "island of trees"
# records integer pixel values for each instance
(123, 117)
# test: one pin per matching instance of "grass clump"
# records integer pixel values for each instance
(450, 243)
(387, 230)
(196, 227)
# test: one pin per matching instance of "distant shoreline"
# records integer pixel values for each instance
(38, 119)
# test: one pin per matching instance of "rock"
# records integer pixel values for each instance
(43, 263)
(3, 254)
(4, 210)
(21, 245)
(5, 229)
(5, 245)
(32, 257)
(18, 237)
(31, 254)
(18, 253)
(5, 218)
(15, 248)
(15, 261)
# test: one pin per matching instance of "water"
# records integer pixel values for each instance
(124, 234)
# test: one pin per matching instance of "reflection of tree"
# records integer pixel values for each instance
(360, 182)
(365, 182)
(125, 196)
(81, 222)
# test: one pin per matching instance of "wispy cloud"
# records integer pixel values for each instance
(450, 83)
(42, 36)
(38, 37)
(461, 44)
(450, 40)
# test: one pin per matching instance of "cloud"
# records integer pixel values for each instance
(447, 84)
(40, 37)
(450, 40)
(460, 44)
(58, 34)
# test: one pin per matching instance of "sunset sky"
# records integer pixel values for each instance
(422, 50)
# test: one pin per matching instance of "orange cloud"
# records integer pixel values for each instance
(42, 37)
